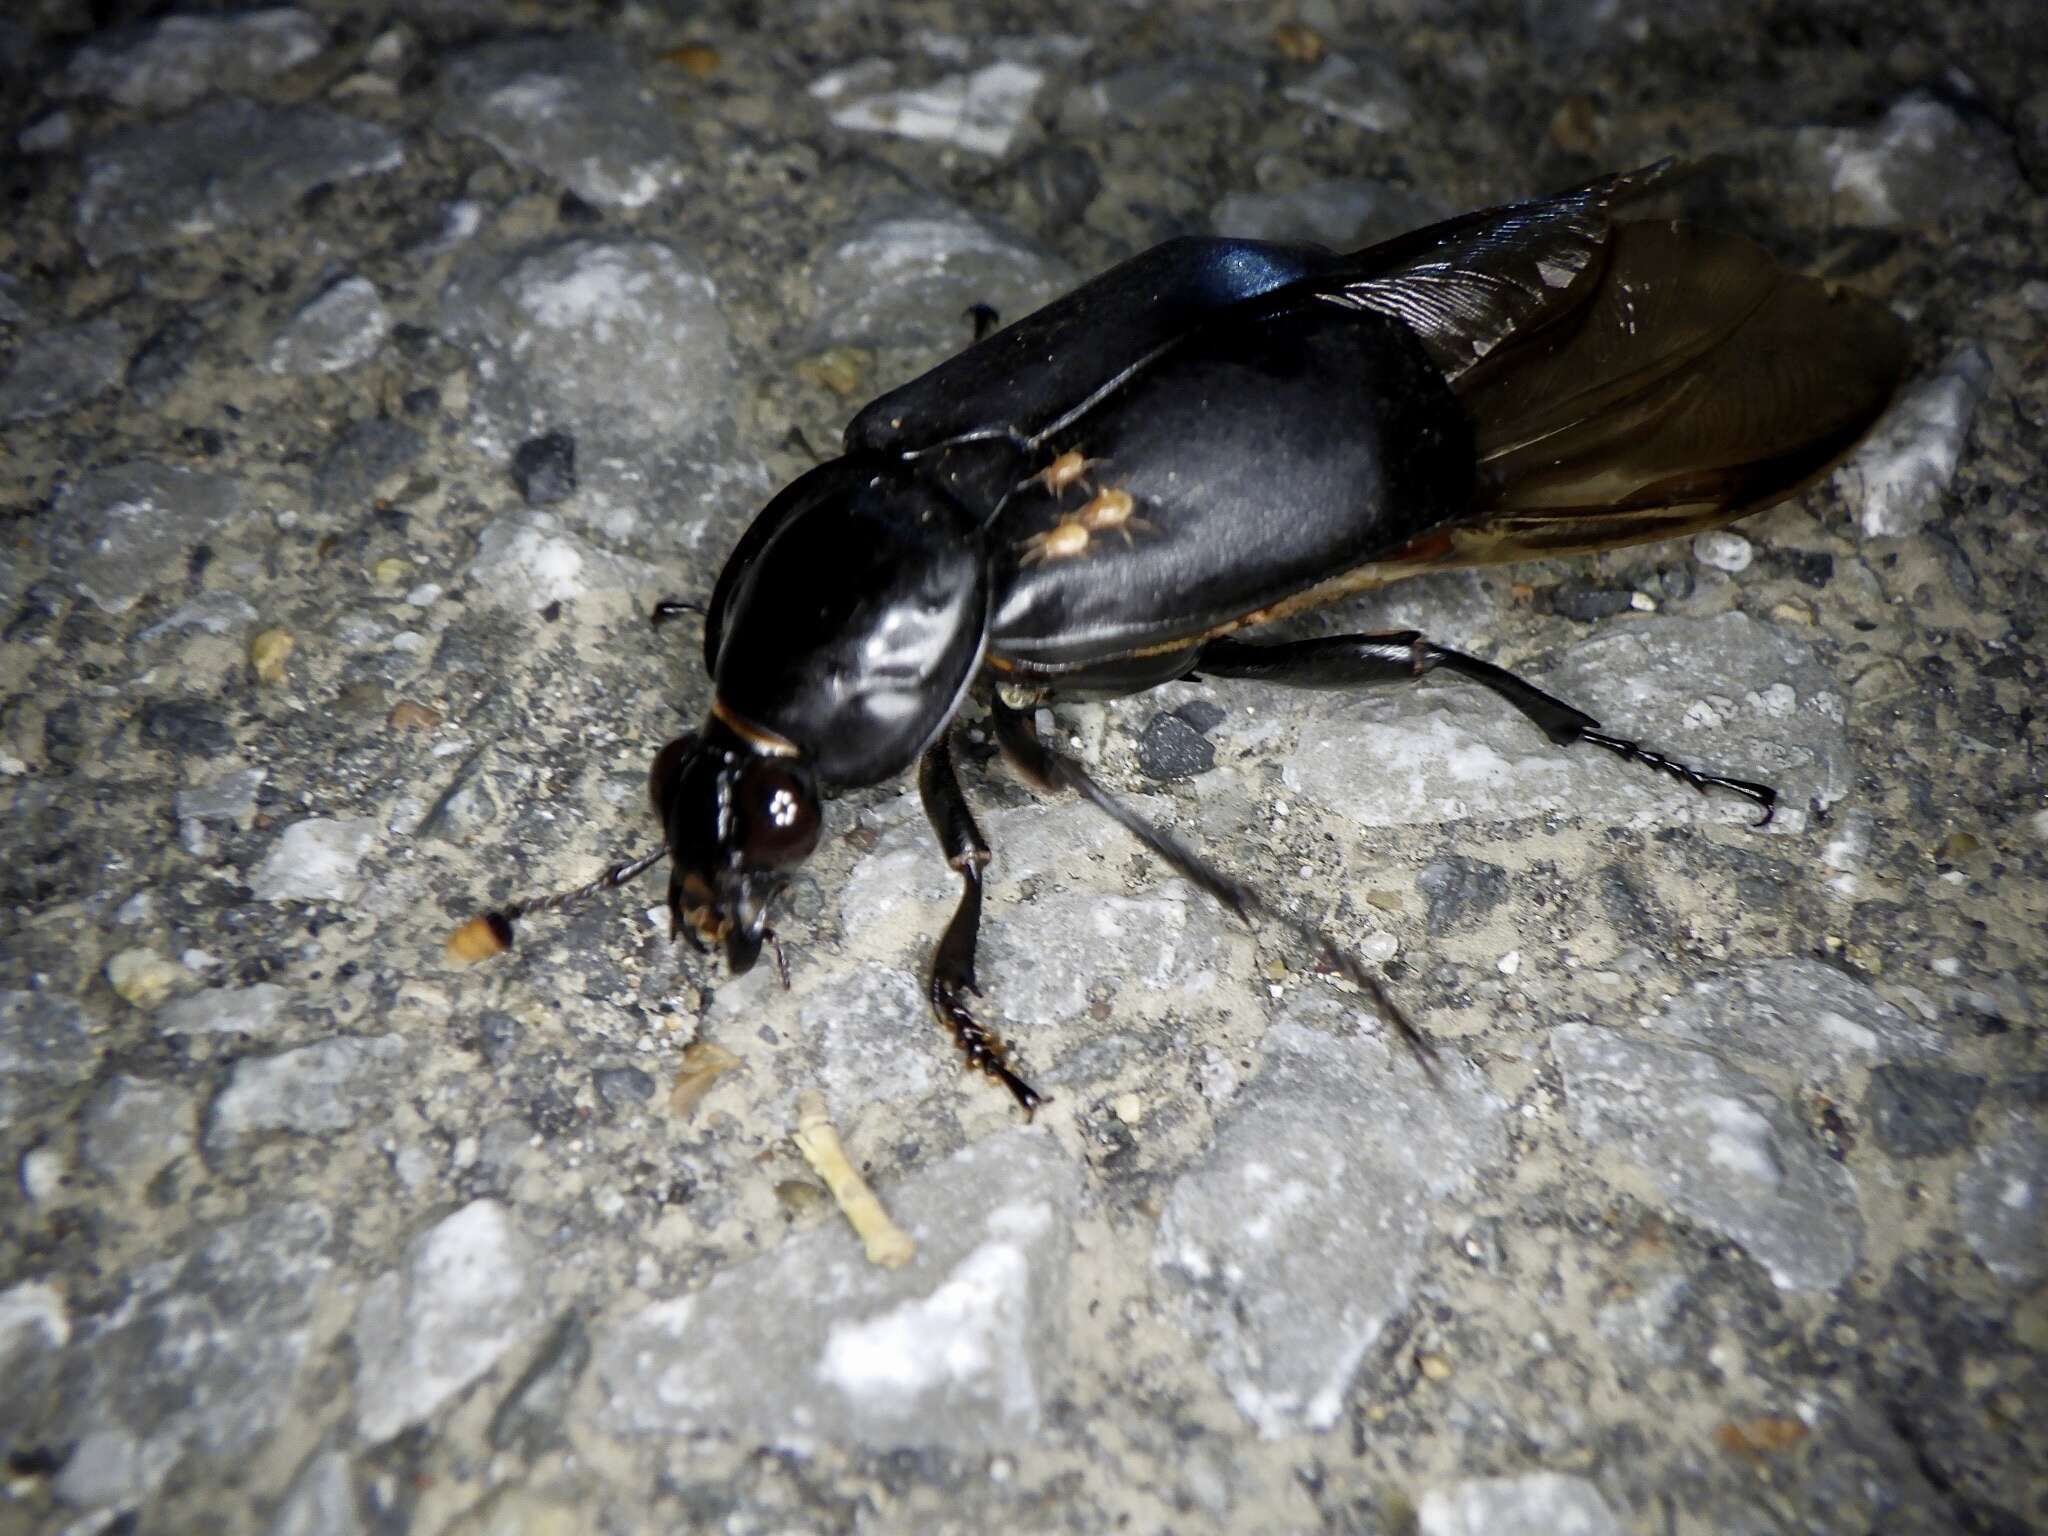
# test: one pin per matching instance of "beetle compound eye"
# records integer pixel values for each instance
(666, 772)
(779, 811)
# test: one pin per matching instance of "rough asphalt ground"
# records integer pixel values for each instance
(367, 370)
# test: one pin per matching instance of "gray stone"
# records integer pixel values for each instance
(571, 107)
(34, 1328)
(200, 1359)
(1044, 838)
(874, 1027)
(544, 469)
(622, 1088)
(1534, 1504)
(321, 1500)
(464, 1296)
(216, 613)
(904, 280)
(1721, 1148)
(981, 112)
(367, 455)
(530, 1420)
(1043, 959)
(1460, 891)
(1727, 694)
(616, 340)
(1368, 92)
(1800, 1015)
(1921, 1111)
(44, 1041)
(1895, 480)
(1302, 1232)
(256, 1011)
(1170, 748)
(63, 367)
(1998, 1197)
(134, 1129)
(14, 304)
(223, 164)
(316, 860)
(527, 560)
(1344, 215)
(230, 798)
(326, 1086)
(173, 62)
(1920, 164)
(338, 328)
(119, 532)
(963, 1349)
(162, 361)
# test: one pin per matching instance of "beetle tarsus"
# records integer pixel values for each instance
(983, 318)
(1046, 770)
(952, 969)
(1365, 661)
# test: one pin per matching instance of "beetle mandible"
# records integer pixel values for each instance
(1216, 434)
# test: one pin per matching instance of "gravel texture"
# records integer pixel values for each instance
(367, 370)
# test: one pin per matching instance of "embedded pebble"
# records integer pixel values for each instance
(1303, 1230)
(905, 280)
(321, 1500)
(1922, 162)
(144, 977)
(1724, 550)
(325, 1086)
(1368, 92)
(119, 532)
(571, 106)
(617, 341)
(134, 1129)
(316, 860)
(528, 560)
(544, 469)
(1460, 891)
(1998, 1198)
(1722, 1148)
(1160, 92)
(1534, 1504)
(463, 1296)
(224, 163)
(62, 368)
(963, 1350)
(1895, 480)
(1044, 960)
(199, 1361)
(229, 798)
(871, 1025)
(1170, 748)
(257, 1011)
(339, 328)
(173, 62)
(1921, 1111)
(981, 112)
(44, 1042)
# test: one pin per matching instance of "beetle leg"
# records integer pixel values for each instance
(952, 972)
(983, 318)
(1364, 661)
(1047, 770)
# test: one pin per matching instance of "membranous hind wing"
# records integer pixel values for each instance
(1672, 380)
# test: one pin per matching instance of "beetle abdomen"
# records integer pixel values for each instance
(1249, 463)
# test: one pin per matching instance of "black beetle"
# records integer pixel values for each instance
(1215, 434)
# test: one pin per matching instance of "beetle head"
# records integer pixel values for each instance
(736, 819)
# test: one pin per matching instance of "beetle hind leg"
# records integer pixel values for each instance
(951, 978)
(1365, 661)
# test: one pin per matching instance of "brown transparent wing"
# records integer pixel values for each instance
(1699, 381)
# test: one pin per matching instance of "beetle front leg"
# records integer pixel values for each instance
(952, 971)
(1365, 661)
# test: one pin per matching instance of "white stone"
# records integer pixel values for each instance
(316, 860)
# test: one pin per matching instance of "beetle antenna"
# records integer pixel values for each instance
(490, 933)
(1048, 770)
